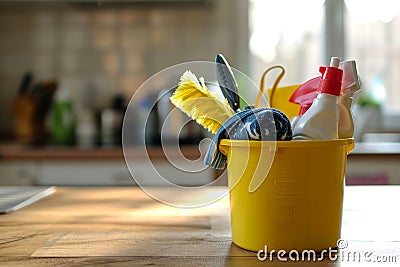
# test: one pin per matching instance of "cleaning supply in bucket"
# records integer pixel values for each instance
(305, 94)
(320, 121)
(193, 98)
(263, 124)
(350, 85)
(227, 82)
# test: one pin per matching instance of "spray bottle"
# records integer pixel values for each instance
(350, 85)
(320, 121)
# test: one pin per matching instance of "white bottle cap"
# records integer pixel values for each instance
(335, 62)
(351, 82)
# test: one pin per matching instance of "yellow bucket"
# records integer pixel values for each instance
(297, 204)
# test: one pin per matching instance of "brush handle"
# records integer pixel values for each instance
(227, 82)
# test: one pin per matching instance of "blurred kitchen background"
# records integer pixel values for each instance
(68, 69)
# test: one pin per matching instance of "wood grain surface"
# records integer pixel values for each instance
(122, 226)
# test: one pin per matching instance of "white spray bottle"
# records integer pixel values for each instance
(320, 121)
(350, 85)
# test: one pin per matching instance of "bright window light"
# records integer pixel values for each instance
(372, 10)
(287, 33)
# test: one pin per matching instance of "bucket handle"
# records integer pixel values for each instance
(274, 86)
(350, 146)
(224, 149)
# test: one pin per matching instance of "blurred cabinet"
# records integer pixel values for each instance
(116, 173)
(367, 164)
(370, 170)
(88, 172)
(18, 172)
(374, 163)
(27, 166)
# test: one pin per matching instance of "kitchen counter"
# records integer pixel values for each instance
(125, 227)
(21, 152)
(374, 163)
(25, 165)
(376, 148)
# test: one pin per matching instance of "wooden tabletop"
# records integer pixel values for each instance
(125, 227)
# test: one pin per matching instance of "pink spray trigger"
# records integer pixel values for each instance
(305, 94)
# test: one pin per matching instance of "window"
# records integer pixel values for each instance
(372, 38)
(287, 33)
(292, 34)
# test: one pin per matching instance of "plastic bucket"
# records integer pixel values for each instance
(298, 203)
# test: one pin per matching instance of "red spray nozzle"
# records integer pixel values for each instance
(331, 81)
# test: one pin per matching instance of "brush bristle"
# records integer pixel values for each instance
(194, 99)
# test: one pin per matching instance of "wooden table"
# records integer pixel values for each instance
(123, 226)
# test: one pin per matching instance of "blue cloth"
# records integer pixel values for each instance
(264, 124)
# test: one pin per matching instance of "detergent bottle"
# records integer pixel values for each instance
(320, 121)
(63, 119)
(350, 85)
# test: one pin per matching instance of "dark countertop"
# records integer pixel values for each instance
(22, 152)
(376, 148)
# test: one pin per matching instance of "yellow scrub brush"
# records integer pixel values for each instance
(193, 98)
